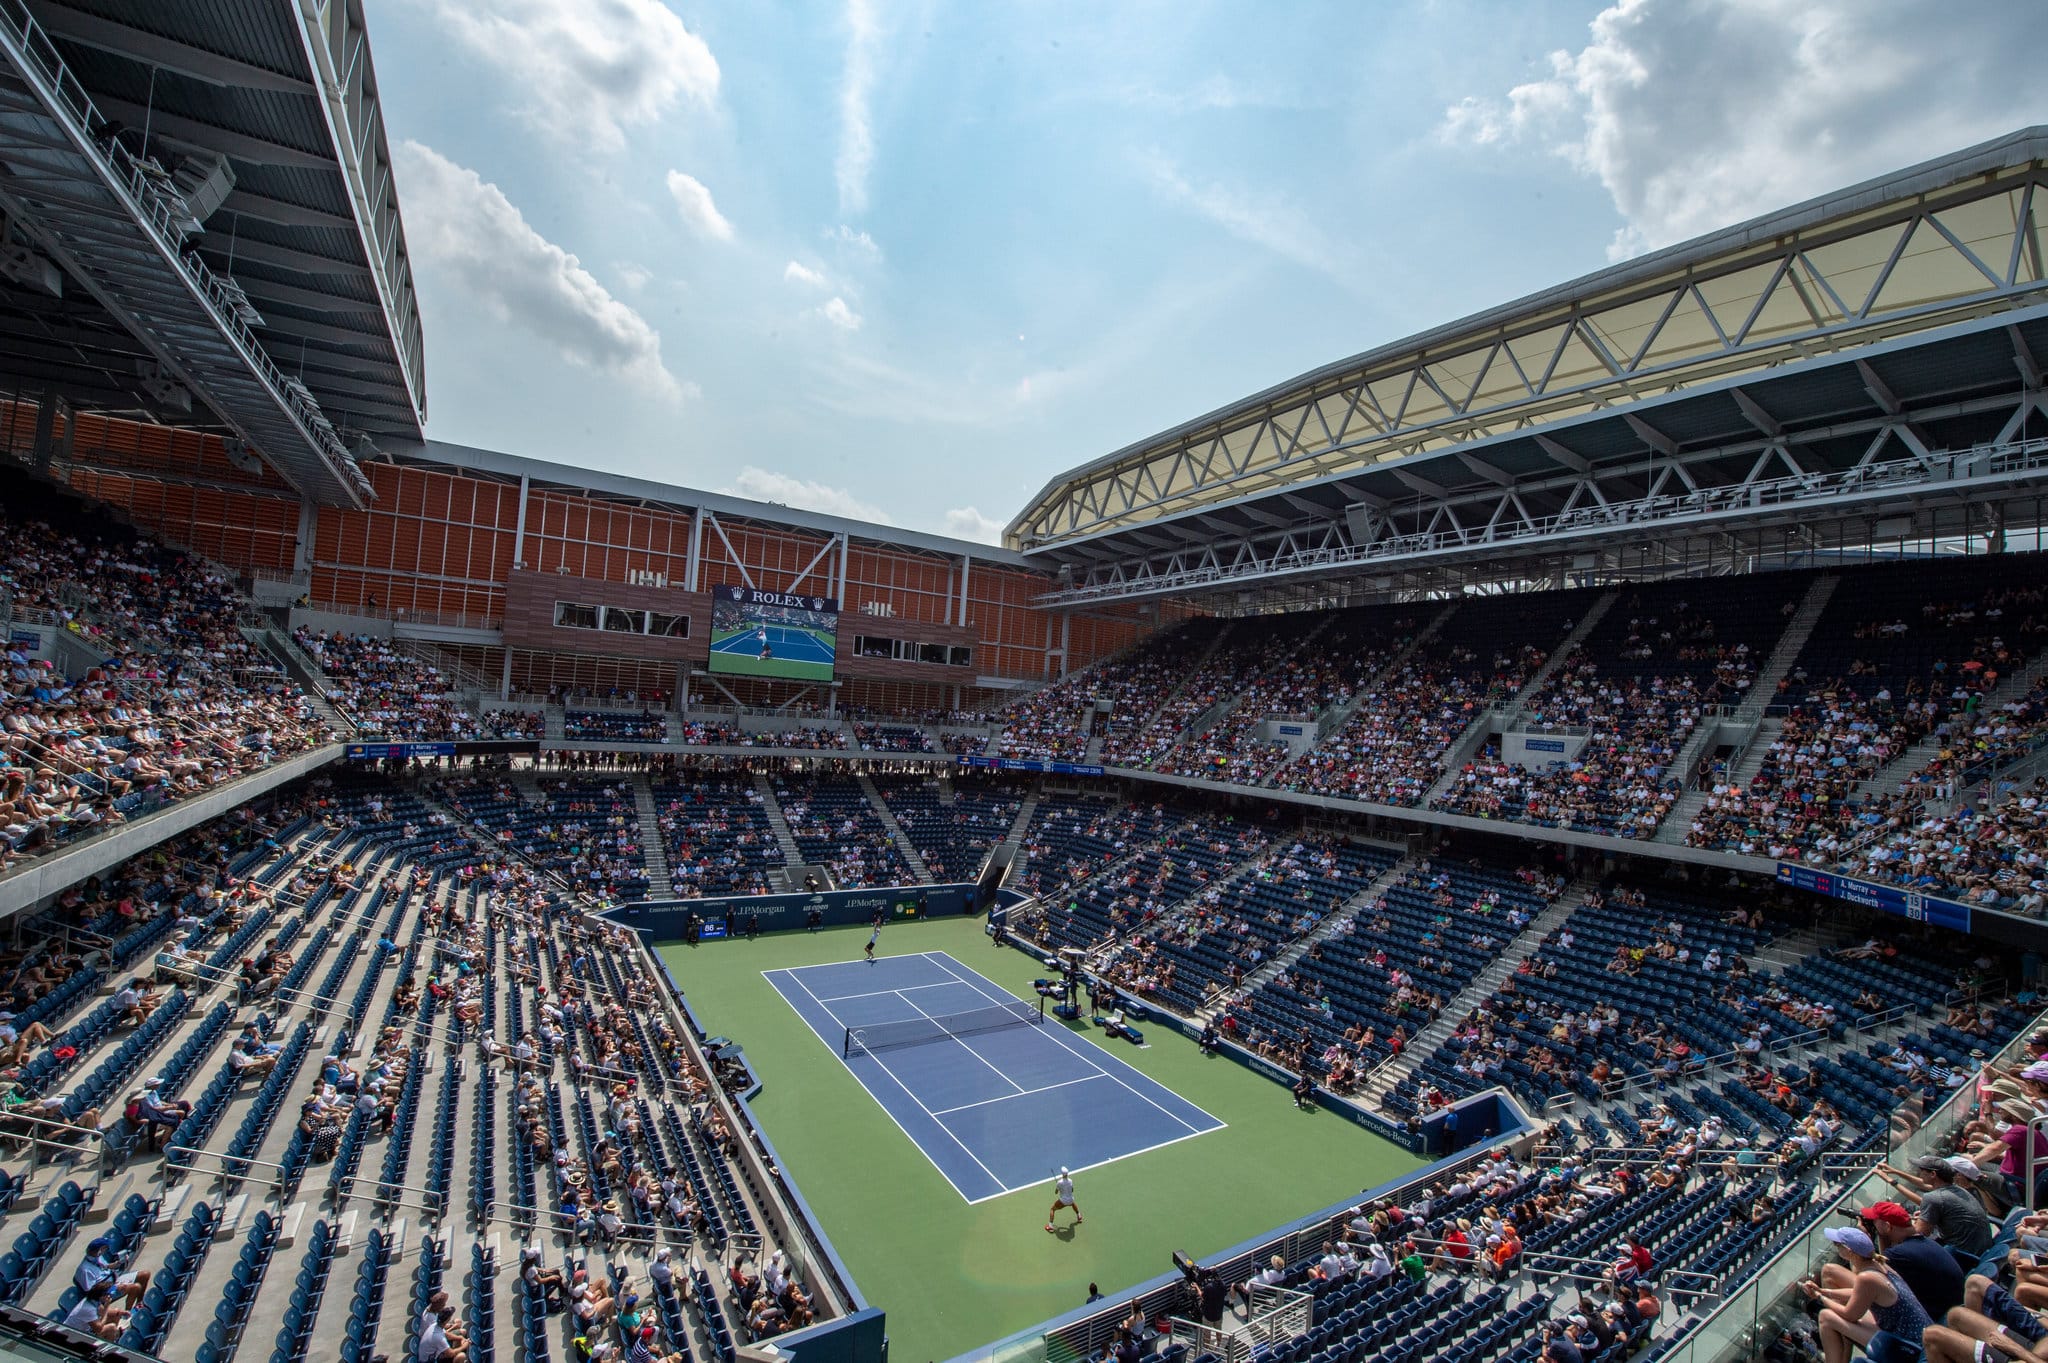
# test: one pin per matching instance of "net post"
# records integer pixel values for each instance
(846, 1045)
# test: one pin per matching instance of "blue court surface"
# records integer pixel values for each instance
(994, 1111)
(789, 644)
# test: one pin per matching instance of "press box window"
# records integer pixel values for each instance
(569, 615)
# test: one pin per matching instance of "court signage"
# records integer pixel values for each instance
(1027, 764)
(749, 596)
(1546, 745)
(1912, 904)
(376, 752)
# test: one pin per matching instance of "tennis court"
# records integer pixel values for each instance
(999, 1106)
(789, 644)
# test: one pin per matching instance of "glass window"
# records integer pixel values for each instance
(960, 655)
(619, 620)
(931, 653)
(668, 626)
(569, 615)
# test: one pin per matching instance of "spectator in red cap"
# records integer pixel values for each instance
(1932, 1272)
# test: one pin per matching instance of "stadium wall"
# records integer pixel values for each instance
(440, 543)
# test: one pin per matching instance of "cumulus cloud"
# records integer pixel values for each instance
(482, 249)
(585, 71)
(764, 485)
(1696, 116)
(967, 523)
(856, 89)
(798, 273)
(634, 277)
(693, 201)
(840, 315)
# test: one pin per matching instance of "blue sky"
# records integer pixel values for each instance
(907, 260)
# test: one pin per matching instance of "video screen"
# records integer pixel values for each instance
(773, 634)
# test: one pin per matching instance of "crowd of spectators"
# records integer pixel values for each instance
(614, 726)
(903, 738)
(386, 691)
(181, 702)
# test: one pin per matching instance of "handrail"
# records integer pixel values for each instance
(349, 1185)
(89, 1132)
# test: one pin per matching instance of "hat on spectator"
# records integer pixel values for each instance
(152, 1083)
(1964, 1167)
(1891, 1213)
(1852, 1238)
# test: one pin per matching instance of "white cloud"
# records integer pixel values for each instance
(857, 244)
(856, 88)
(586, 70)
(1267, 220)
(798, 273)
(693, 201)
(764, 486)
(1695, 116)
(634, 277)
(840, 315)
(967, 523)
(483, 250)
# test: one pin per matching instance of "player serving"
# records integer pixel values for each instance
(1063, 1196)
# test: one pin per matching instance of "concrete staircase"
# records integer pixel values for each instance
(1339, 918)
(653, 846)
(792, 855)
(1337, 716)
(896, 833)
(1223, 709)
(1748, 761)
(1194, 670)
(1516, 950)
(299, 665)
(1890, 778)
(1468, 743)
(1013, 841)
(1798, 629)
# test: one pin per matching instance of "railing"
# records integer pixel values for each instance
(382, 1194)
(154, 201)
(278, 1184)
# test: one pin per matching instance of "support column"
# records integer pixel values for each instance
(966, 567)
(696, 553)
(519, 528)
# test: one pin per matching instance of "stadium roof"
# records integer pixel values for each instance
(1712, 367)
(211, 180)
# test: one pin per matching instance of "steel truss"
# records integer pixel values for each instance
(118, 226)
(1607, 509)
(1919, 261)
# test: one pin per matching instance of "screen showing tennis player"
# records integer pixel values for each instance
(773, 634)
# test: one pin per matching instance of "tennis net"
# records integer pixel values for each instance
(887, 1036)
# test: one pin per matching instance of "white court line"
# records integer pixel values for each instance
(793, 979)
(1021, 1093)
(878, 993)
(1001, 1073)
(1059, 1037)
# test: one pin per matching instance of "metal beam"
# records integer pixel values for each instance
(1497, 476)
(1756, 415)
(1578, 463)
(1650, 435)
(249, 204)
(1420, 483)
(192, 133)
(105, 35)
(284, 257)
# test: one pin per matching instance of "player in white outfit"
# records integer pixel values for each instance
(1063, 1196)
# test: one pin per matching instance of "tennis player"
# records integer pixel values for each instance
(873, 937)
(1063, 1196)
